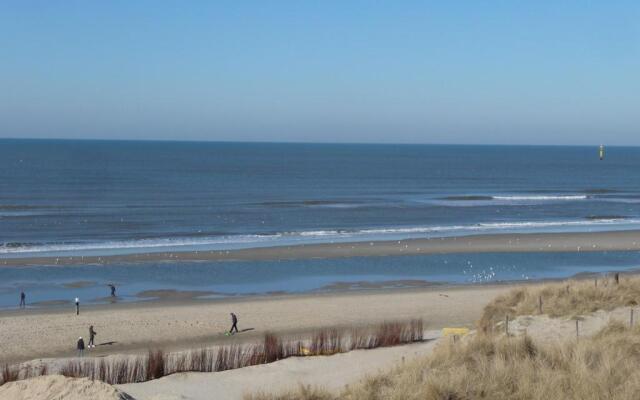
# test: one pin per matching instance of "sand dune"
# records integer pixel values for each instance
(56, 387)
(330, 372)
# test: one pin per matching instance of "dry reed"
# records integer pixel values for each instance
(156, 363)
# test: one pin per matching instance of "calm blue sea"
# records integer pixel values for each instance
(128, 196)
(105, 197)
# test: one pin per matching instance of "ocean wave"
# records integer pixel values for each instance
(222, 242)
(515, 198)
(542, 197)
(492, 226)
(26, 207)
(16, 247)
(627, 200)
(27, 210)
(600, 191)
(17, 207)
(18, 214)
(466, 198)
(312, 203)
(606, 217)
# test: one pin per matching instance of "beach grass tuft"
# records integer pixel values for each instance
(563, 299)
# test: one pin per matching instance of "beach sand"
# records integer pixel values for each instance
(56, 387)
(165, 321)
(494, 243)
(180, 324)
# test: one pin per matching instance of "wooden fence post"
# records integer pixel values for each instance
(596, 282)
(631, 318)
(617, 278)
(506, 326)
(540, 304)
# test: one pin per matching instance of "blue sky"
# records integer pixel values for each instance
(542, 72)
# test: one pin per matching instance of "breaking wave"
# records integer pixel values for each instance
(313, 236)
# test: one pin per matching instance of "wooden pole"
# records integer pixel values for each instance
(596, 282)
(540, 304)
(631, 318)
(577, 331)
(617, 278)
(506, 326)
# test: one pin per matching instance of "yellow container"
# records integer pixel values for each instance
(455, 331)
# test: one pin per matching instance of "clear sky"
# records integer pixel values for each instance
(534, 72)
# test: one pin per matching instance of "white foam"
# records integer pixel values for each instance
(501, 225)
(247, 241)
(140, 244)
(315, 233)
(541, 197)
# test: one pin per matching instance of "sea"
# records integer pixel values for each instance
(68, 197)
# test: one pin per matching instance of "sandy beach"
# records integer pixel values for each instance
(334, 372)
(498, 243)
(31, 334)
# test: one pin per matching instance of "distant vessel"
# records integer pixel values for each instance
(601, 152)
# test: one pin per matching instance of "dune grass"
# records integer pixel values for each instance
(490, 365)
(302, 393)
(563, 299)
(601, 367)
(604, 366)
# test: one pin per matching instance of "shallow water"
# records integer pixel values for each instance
(244, 278)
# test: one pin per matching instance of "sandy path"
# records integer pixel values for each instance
(136, 327)
(331, 373)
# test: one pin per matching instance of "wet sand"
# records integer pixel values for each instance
(499, 243)
(180, 324)
(172, 294)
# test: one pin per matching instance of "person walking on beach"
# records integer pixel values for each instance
(234, 322)
(78, 307)
(113, 289)
(23, 298)
(80, 347)
(92, 335)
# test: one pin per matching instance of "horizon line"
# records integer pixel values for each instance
(309, 142)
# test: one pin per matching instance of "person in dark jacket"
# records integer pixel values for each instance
(92, 335)
(234, 322)
(23, 298)
(77, 306)
(113, 290)
(80, 347)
